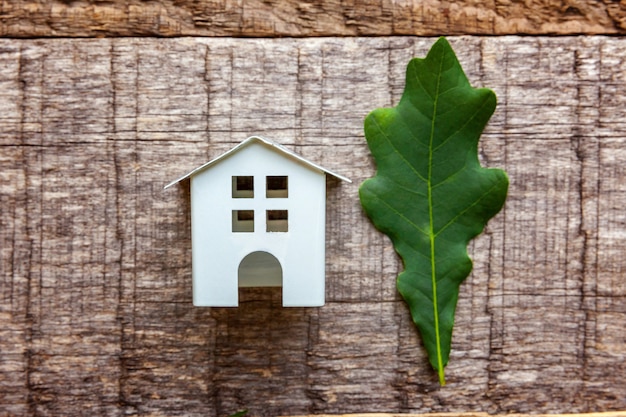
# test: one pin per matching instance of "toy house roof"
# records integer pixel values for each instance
(269, 143)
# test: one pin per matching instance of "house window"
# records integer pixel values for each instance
(276, 187)
(243, 186)
(277, 221)
(243, 220)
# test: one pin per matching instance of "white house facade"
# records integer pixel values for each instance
(258, 215)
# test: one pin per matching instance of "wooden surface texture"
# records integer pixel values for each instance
(298, 18)
(476, 414)
(95, 282)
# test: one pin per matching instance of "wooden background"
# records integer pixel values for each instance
(95, 285)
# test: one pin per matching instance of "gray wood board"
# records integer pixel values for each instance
(95, 286)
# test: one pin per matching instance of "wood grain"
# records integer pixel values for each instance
(95, 286)
(297, 18)
(476, 414)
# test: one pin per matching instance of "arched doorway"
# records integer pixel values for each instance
(260, 269)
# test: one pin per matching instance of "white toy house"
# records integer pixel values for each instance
(258, 216)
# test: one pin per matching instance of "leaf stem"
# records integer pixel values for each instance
(433, 272)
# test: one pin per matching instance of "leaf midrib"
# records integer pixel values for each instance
(432, 236)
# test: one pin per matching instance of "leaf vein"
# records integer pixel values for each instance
(465, 210)
(470, 119)
(402, 216)
(398, 153)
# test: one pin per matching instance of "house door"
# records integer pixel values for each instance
(260, 269)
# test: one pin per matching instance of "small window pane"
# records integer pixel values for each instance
(277, 186)
(277, 221)
(243, 221)
(243, 186)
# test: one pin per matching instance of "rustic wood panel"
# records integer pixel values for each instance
(475, 414)
(95, 288)
(263, 18)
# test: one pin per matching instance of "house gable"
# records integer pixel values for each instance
(271, 145)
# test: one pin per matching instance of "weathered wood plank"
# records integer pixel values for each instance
(259, 18)
(95, 286)
(605, 414)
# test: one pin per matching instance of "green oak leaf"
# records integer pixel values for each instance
(430, 195)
